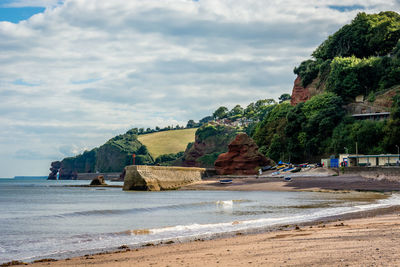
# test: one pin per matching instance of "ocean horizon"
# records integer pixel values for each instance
(46, 219)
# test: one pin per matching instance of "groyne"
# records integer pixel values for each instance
(156, 178)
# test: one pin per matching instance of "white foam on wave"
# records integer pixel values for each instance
(193, 230)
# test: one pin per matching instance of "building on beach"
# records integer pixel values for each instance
(351, 160)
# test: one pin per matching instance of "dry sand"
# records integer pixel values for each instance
(355, 242)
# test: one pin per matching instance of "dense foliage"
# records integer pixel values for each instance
(168, 159)
(296, 133)
(367, 35)
(362, 58)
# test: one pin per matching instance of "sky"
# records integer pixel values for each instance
(75, 73)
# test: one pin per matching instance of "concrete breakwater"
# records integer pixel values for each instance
(156, 178)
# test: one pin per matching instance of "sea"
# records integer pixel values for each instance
(47, 219)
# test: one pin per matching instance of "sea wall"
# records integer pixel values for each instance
(389, 173)
(156, 178)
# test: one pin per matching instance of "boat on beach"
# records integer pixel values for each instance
(225, 181)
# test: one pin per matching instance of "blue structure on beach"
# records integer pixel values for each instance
(334, 163)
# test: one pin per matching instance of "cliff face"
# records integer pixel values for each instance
(113, 156)
(210, 142)
(299, 93)
(242, 158)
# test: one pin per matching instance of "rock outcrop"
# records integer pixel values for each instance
(210, 142)
(54, 167)
(299, 93)
(99, 180)
(156, 178)
(242, 157)
(65, 173)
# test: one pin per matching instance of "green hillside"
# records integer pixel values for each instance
(167, 142)
(360, 59)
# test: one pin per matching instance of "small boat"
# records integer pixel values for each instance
(296, 170)
(288, 178)
(225, 181)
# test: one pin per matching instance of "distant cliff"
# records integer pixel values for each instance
(113, 156)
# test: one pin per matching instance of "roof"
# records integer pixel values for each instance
(371, 114)
(375, 156)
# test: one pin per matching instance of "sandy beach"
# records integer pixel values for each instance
(368, 238)
(306, 183)
(368, 241)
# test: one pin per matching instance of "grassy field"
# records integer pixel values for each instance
(168, 141)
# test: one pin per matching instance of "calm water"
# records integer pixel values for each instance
(40, 219)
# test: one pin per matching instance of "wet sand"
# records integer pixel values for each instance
(368, 241)
(313, 183)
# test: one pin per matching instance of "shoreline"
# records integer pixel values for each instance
(144, 256)
(329, 184)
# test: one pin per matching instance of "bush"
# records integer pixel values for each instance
(167, 158)
(308, 71)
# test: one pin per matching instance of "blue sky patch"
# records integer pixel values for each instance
(22, 82)
(346, 8)
(16, 14)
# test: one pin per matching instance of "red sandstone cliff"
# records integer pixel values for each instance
(242, 158)
(299, 93)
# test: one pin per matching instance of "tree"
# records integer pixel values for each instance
(190, 124)
(264, 102)
(220, 113)
(284, 97)
(236, 113)
(322, 112)
(205, 119)
(294, 133)
(367, 35)
(237, 110)
(271, 128)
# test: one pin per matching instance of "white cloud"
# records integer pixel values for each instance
(32, 3)
(85, 70)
